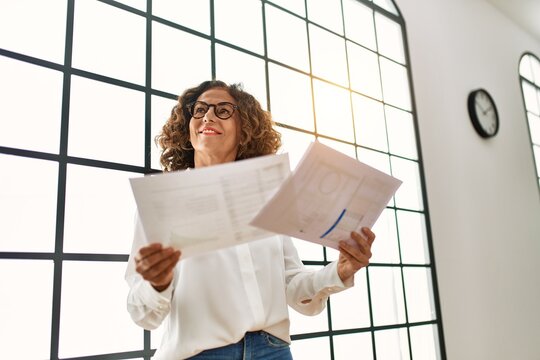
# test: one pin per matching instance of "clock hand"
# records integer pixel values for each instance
(480, 106)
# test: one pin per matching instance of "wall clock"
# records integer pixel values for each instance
(483, 113)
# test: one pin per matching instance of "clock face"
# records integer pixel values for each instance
(483, 113)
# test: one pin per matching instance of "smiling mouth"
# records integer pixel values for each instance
(209, 131)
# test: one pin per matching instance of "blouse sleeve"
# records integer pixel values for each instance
(146, 306)
(307, 290)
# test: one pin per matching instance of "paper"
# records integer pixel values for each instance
(208, 208)
(327, 196)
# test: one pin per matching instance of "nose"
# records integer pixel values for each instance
(207, 117)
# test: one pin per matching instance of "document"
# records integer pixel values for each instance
(208, 208)
(328, 195)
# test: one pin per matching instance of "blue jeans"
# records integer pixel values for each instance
(257, 345)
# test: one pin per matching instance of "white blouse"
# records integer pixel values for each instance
(214, 299)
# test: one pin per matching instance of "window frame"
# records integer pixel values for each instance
(63, 159)
(536, 85)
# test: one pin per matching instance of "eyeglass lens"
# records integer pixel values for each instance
(222, 110)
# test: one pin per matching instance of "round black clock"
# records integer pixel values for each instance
(483, 113)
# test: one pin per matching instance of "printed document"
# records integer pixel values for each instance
(328, 195)
(208, 208)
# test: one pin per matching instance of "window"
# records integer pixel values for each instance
(529, 74)
(80, 107)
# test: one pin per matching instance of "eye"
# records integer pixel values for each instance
(199, 109)
(223, 110)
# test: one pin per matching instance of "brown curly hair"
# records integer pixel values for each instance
(257, 135)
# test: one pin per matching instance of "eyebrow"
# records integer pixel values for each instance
(219, 103)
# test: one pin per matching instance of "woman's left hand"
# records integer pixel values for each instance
(354, 257)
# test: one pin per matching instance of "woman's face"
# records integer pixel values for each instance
(215, 140)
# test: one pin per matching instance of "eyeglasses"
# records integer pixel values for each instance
(223, 110)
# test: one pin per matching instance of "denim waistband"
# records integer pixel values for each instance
(255, 345)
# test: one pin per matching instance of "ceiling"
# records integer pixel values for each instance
(526, 13)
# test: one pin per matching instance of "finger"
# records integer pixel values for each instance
(348, 256)
(151, 260)
(357, 261)
(370, 235)
(363, 245)
(162, 267)
(165, 276)
(354, 254)
(148, 250)
(360, 241)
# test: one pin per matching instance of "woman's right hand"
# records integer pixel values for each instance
(156, 263)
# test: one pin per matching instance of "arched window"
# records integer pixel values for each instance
(529, 74)
(86, 85)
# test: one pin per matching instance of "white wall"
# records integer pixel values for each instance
(483, 195)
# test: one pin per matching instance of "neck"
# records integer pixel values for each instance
(202, 160)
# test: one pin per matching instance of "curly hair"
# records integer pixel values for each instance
(257, 134)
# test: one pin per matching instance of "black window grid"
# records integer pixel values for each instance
(536, 86)
(63, 159)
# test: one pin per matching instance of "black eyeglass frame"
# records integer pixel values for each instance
(190, 107)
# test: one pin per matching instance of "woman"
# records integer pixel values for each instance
(232, 303)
